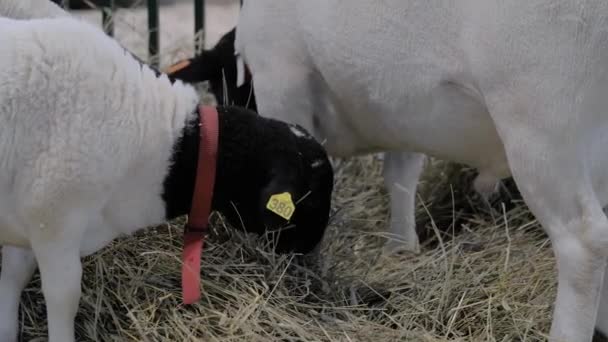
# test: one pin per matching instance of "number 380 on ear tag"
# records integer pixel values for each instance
(282, 205)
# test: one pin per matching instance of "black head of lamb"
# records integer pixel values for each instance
(257, 159)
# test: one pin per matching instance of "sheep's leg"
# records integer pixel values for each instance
(566, 206)
(401, 174)
(56, 244)
(556, 183)
(18, 266)
(580, 277)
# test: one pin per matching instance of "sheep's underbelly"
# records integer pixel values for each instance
(446, 122)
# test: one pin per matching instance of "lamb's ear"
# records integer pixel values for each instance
(204, 67)
(178, 66)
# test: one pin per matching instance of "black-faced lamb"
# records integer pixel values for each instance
(95, 145)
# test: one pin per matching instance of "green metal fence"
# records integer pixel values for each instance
(153, 25)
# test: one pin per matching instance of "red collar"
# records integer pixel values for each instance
(198, 219)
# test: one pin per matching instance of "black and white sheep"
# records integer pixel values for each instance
(228, 76)
(96, 145)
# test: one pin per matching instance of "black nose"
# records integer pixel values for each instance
(307, 227)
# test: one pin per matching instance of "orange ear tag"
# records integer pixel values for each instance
(177, 67)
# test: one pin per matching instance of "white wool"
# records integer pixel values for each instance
(59, 104)
(509, 87)
(30, 9)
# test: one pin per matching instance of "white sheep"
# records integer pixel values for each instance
(513, 88)
(95, 144)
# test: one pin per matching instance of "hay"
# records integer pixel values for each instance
(492, 281)
(482, 275)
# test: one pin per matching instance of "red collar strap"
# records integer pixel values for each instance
(198, 219)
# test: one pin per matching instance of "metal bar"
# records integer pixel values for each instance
(199, 25)
(153, 25)
(107, 18)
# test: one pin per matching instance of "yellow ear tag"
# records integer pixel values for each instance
(282, 205)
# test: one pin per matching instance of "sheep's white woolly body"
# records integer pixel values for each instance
(475, 81)
(85, 147)
(57, 104)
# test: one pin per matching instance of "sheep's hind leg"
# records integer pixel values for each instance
(18, 266)
(562, 199)
(56, 241)
(557, 185)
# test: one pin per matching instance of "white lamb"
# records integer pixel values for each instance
(513, 87)
(94, 145)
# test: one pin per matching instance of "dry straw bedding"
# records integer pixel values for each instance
(490, 279)
(483, 275)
